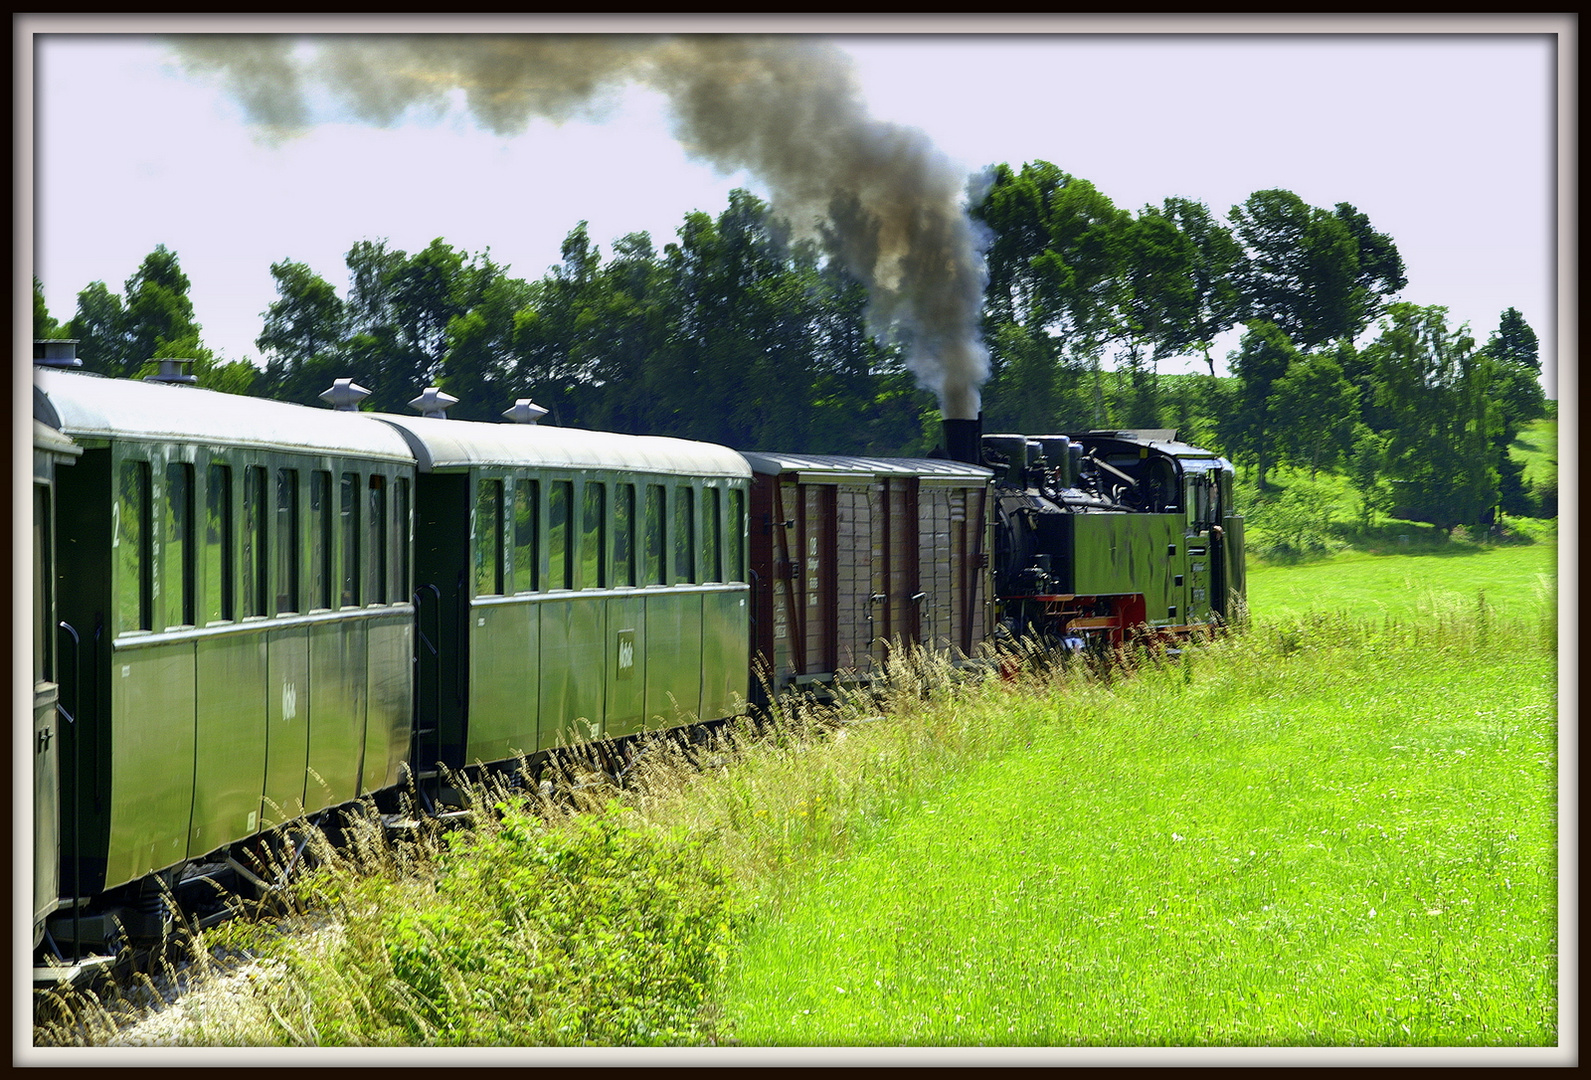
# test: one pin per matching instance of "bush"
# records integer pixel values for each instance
(1296, 523)
(595, 930)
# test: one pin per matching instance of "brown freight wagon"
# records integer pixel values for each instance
(853, 556)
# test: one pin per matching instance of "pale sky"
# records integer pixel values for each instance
(1445, 140)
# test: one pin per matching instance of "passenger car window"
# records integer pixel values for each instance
(593, 534)
(489, 538)
(526, 565)
(135, 604)
(684, 534)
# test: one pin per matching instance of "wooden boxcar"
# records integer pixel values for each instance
(851, 556)
(236, 571)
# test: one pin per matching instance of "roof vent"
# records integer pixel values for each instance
(345, 395)
(173, 371)
(433, 403)
(525, 411)
(56, 352)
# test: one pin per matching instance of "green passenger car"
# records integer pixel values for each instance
(573, 585)
(237, 571)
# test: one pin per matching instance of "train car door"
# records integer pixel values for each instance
(1201, 553)
(47, 714)
(903, 594)
(855, 615)
(817, 576)
(1218, 550)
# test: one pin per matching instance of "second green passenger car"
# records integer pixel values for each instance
(572, 585)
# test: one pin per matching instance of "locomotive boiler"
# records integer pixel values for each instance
(1109, 535)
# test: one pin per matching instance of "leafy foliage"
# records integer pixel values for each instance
(595, 930)
(1436, 390)
(45, 325)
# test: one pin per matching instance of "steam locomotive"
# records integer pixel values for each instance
(248, 612)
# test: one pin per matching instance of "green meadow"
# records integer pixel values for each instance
(1343, 836)
(1511, 580)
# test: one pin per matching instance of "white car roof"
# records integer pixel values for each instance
(456, 444)
(90, 407)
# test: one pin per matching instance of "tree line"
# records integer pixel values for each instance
(738, 333)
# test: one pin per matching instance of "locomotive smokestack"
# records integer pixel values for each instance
(964, 439)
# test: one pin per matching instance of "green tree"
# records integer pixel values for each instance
(1514, 352)
(1156, 310)
(159, 312)
(546, 341)
(1367, 469)
(1436, 389)
(1515, 342)
(1314, 408)
(399, 310)
(45, 325)
(118, 336)
(1516, 369)
(100, 327)
(1054, 296)
(1082, 274)
(736, 361)
(1016, 210)
(1380, 266)
(1318, 275)
(480, 358)
(1264, 356)
(303, 335)
(1216, 255)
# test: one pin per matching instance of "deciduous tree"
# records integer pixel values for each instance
(1440, 450)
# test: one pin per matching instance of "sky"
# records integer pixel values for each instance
(1445, 140)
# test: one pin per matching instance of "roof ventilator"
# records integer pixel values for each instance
(175, 372)
(345, 395)
(433, 403)
(525, 411)
(56, 353)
